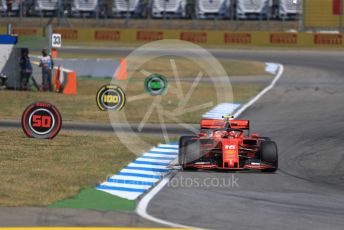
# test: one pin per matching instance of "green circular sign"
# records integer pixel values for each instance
(155, 84)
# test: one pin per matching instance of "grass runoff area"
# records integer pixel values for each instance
(36, 172)
(91, 198)
(83, 108)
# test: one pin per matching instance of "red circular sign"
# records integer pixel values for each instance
(41, 120)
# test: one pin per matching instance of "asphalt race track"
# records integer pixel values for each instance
(151, 129)
(304, 114)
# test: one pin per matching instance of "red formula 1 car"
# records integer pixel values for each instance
(226, 144)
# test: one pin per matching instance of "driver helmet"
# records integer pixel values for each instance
(232, 133)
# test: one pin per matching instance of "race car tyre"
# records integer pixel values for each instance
(269, 154)
(192, 151)
(265, 138)
(189, 150)
(182, 149)
(262, 139)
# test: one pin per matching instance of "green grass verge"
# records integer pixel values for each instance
(82, 107)
(35, 172)
(97, 200)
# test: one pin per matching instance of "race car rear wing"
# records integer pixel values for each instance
(218, 124)
(212, 124)
(240, 124)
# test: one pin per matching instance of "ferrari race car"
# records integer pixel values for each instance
(228, 145)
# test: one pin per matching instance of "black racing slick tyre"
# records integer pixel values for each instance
(269, 154)
(265, 138)
(186, 149)
(182, 148)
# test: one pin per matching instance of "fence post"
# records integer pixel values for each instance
(21, 9)
(303, 17)
(300, 7)
(49, 34)
(127, 15)
(9, 29)
(97, 14)
(59, 8)
(164, 15)
(340, 16)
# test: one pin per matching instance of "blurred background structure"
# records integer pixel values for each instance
(72, 18)
(241, 15)
(284, 15)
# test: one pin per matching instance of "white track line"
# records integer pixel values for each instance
(162, 150)
(139, 185)
(151, 173)
(153, 160)
(159, 155)
(142, 179)
(261, 93)
(141, 209)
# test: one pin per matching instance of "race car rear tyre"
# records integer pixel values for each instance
(183, 140)
(269, 154)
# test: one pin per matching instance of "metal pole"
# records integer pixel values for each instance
(284, 15)
(8, 10)
(21, 11)
(58, 12)
(299, 18)
(127, 16)
(49, 34)
(41, 16)
(303, 17)
(341, 16)
(97, 13)
(231, 16)
(165, 3)
(236, 16)
(9, 29)
(268, 15)
(106, 11)
(148, 9)
(260, 20)
(84, 19)
(215, 23)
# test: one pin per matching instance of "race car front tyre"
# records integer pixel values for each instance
(192, 152)
(183, 140)
(189, 150)
(269, 154)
